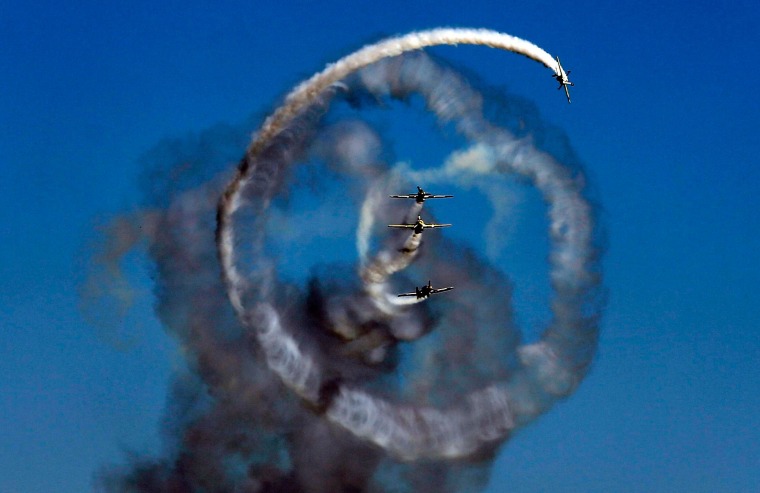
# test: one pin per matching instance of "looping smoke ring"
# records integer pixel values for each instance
(550, 368)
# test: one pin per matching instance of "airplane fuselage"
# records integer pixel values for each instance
(420, 198)
(562, 77)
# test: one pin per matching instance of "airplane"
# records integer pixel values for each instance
(420, 196)
(419, 225)
(426, 291)
(561, 77)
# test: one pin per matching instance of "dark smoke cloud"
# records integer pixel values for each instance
(231, 423)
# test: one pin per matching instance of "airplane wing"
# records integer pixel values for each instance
(410, 196)
(441, 290)
(401, 226)
(427, 196)
(407, 294)
(437, 225)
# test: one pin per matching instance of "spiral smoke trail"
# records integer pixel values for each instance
(310, 91)
(296, 388)
(551, 368)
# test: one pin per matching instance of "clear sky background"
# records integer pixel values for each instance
(664, 117)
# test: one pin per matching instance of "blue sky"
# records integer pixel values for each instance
(663, 117)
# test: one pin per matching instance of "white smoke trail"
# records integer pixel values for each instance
(410, 433)
(406, 301)
(310, 90)
(297, 369)
(390, 260)
(475, 168)
(306, 92)
(550, 368)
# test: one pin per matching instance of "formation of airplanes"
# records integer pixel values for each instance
(372, 345)
(561, 77)
(425, 291)
(418, 226)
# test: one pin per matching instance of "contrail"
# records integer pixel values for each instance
(551, 368)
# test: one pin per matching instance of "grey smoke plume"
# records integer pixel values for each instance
(294, 384)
